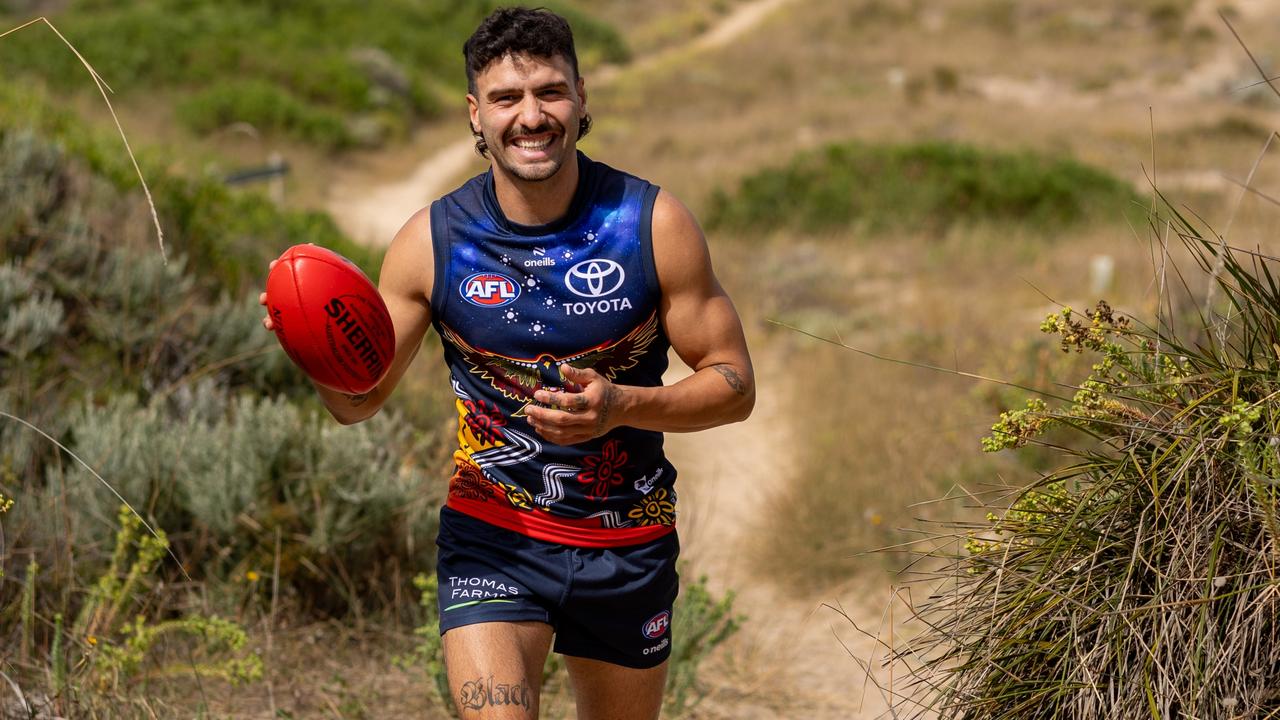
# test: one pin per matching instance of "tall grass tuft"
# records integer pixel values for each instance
(1140, 578)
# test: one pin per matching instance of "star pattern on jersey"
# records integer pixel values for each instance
(520, 378)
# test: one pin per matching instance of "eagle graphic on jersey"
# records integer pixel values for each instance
(520, 378)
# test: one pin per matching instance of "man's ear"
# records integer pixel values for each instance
(473, 109)
(582, 94)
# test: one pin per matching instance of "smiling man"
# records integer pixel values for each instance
(557, 285)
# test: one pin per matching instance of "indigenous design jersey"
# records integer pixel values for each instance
(511, 302)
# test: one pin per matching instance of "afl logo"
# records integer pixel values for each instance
(657, 625)
(489, 290)
(594, 278)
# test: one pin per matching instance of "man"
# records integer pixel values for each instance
(557, 285)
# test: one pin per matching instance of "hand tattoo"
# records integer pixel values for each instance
(611, 396)
(580, 403)
(731, 376)
(358, 400)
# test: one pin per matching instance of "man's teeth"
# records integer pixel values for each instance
(532, 144)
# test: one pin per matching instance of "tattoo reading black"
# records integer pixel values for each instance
(472, 696)
(611, 396)
(358, 400)
(731, 376)
(478, 693)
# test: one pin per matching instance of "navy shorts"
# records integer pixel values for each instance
(610, 604)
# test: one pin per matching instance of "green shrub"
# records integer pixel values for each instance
(310, 57)
(227, 472)
(265, 106)
(1139, 578)
(62, 178)
(927, 187)
(700, 623)
(121, 634)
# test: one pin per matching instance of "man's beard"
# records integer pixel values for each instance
(540, 171)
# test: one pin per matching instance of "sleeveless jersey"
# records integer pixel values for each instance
(511, 303)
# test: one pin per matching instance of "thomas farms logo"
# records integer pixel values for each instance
(489, 290)
(657, 625)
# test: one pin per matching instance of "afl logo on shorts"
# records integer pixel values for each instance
(657, 625)
(489, 289)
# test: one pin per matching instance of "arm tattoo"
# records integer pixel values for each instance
(731, 376)
(358, 400)
(611, 396)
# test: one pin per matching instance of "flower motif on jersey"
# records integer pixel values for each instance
(654, 509)
(603, 470)
(469, 483)
(518, 497)
(484, 420)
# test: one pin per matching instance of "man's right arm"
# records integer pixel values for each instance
(405, 283)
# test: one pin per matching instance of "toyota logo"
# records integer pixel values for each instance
(594, 278)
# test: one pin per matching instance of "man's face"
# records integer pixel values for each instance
(528, 110)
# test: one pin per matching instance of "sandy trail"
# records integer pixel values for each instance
(370, 208)
(788, 660)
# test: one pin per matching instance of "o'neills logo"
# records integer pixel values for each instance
(489, 289)
(353, 328)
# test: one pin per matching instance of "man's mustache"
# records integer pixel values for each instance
(522, 132)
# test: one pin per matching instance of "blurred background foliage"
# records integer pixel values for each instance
(335, 74)
(923, 181)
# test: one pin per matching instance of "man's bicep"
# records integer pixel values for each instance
(698, 316)
(705, 330)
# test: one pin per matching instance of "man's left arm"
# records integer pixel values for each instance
(705, 331)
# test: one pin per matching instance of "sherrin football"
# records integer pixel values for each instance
(330, 319)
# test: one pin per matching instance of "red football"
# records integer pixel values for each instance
(330, 319)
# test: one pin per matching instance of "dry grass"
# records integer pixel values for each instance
(315, 670)
(825, 74)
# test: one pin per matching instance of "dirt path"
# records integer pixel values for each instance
(370, 208)
(788, 660)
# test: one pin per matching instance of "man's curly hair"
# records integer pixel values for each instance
(519, 31)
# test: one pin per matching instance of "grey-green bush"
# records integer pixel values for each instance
(161, 377)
